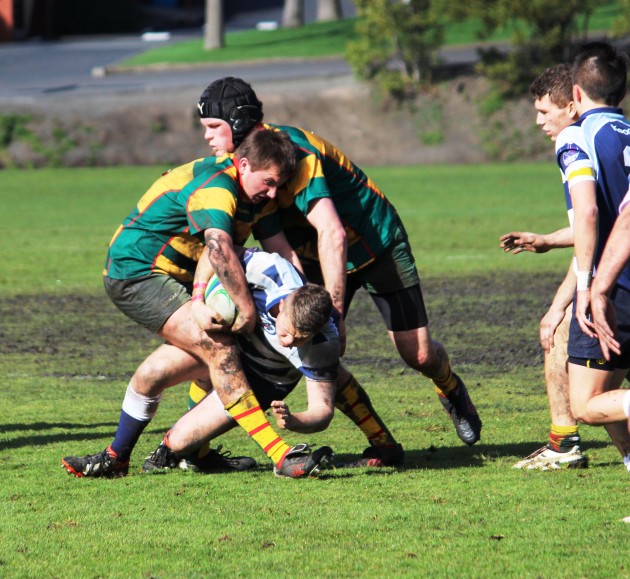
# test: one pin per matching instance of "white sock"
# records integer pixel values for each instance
(139, 406)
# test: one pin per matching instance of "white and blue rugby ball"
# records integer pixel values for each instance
(220, 301)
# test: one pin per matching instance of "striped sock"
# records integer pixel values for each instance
(563, 438)
(249, 415)
(354, 402)
(195, 394)
(446, 383)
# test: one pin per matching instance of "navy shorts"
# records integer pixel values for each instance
(586, 351)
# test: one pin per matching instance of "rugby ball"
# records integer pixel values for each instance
(220, 301)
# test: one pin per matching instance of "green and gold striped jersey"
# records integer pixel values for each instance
(165, 231)
(323, 170)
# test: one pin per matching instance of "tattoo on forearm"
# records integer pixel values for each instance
(218, 256)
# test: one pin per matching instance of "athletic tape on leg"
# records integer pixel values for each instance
(139, 406)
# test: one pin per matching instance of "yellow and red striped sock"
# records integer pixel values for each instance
(563, 438)
(354, 402)
(249, 415)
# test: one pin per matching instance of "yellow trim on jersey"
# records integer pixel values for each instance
(581, 172)
(187, 245)
(308, 168)
(120, 228)
(212, 198)
(166, 266)
(172, 180)
(333, 152)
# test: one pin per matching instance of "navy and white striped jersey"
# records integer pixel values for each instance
(597, 148)
(271, 279)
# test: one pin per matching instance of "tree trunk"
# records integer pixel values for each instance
(329, 10)
(213, 33)
(293, 14)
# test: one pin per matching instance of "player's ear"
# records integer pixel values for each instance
(243, 165)
(280, 305)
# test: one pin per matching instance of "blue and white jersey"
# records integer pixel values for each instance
(271, 279)
(597, 148)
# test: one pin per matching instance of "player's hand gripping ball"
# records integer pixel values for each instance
(220, 301)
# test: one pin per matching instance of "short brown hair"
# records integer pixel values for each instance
(555, 82)
(601, 72)
(264, 149)
(311, 307)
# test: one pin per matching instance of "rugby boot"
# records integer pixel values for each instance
(463, 413)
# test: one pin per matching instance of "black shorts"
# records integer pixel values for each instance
(586, 351)
(393, 283)
(266, 391)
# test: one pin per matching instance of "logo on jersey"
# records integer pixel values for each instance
(570, 156)
(620, 130)
(267, 323)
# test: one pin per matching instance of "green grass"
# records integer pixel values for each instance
(315, 40)
(66, 355)
(318, 39)
(454, 222)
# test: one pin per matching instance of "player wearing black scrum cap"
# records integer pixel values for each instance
(234, 101)
(347, 235)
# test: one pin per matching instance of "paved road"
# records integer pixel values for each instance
(35, 70)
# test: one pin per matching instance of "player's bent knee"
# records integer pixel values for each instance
(151, 378)
(418, 360)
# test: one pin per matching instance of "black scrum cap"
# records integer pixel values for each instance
(234, 101)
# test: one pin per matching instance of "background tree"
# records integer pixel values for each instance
(621, 26)
(396, 45)
(293, 14)
(544, 33)
(329, 10)
(213, 30)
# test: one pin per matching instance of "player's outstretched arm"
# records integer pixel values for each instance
(317, 417)
(332, 247)
(518, 241)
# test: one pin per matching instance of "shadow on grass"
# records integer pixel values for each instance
(79, 432)
(50, 426)
(456, 457)
(42, 439)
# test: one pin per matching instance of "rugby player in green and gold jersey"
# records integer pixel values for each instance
(210, 203)
(347, 235)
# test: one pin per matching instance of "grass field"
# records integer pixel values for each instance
(67, 354)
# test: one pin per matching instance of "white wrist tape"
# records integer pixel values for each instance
(584, 279)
